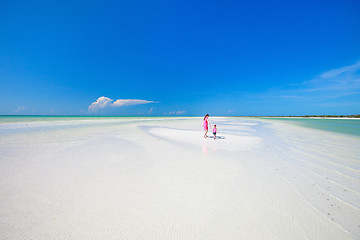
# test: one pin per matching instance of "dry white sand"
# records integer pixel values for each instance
(160, 179)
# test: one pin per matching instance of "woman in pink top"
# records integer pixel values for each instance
(206, 125)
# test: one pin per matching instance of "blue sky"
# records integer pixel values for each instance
(180, 57)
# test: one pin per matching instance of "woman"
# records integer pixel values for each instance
(206, 125)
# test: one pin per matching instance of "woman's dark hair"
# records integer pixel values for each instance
(206, 116)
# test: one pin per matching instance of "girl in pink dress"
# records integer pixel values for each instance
(206, 125)
(214, 131)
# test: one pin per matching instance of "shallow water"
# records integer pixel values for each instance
(347, 126)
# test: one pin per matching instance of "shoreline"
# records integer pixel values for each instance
(180, 116)
(334, 118)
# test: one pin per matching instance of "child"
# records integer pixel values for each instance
(214, 131)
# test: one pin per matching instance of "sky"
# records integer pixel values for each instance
(179, 57)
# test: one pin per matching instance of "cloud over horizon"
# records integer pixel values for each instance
(179, 112)
(104, 102)
(19, 109)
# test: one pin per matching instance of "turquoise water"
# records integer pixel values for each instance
(19, 124)
(347, 126)
(35, 118)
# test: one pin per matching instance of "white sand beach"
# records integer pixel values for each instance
(158, 178)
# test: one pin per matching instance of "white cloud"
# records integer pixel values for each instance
(344, 81)
(128, 102)
(333, 84)
(179, 112)
(20, 109)
(340, 71)
(103, 102)
(24, 110)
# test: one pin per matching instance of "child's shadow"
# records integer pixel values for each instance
(220, 137)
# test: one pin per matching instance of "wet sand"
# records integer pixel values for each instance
(158, 178)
